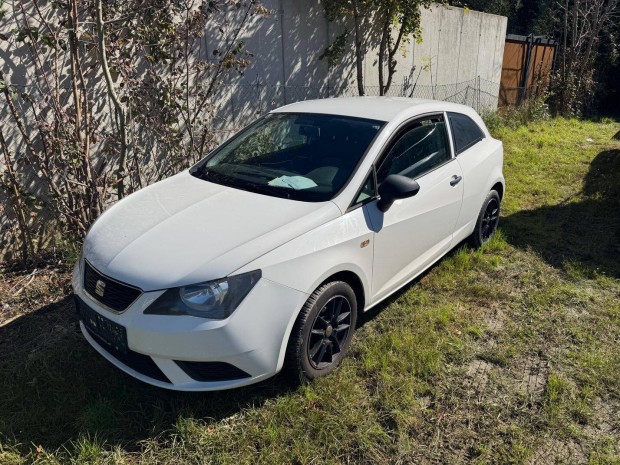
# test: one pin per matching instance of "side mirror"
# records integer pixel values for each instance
(396, 187)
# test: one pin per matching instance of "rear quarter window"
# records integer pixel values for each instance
(465, 132)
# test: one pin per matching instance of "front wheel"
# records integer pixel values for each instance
(323, 331)
(487, 222)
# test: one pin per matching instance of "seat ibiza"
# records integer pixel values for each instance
(263, 255)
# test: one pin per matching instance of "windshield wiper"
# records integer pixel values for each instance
(216, 176)
(207, 174)
(270, 190)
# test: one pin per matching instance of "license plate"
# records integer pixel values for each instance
(111, 334)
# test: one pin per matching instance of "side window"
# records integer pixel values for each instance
(367, 191)
(422, 147)
(465, 132)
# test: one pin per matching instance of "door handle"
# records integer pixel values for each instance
(455, 180)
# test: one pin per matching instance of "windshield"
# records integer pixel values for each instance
(305, 157)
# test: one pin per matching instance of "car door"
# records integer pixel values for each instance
(478, 156)
(414, 232)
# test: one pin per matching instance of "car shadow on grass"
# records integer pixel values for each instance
(54, 388)
(582, 233)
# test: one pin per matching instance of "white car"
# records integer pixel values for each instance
(265, 253)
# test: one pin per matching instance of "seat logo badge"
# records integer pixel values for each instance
(100, 288)
(365, 243)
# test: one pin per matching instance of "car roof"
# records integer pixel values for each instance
(377, 108)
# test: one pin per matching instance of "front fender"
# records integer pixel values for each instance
(310, 259)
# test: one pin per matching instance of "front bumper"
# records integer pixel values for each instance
(163, 349)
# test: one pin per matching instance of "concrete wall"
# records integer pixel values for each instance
(459, 55)
(459, 58)
(457, 45)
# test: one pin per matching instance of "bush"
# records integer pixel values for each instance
(512, 117)
(115, 107)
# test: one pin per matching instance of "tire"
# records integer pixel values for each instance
(487, 222)
(316, 346)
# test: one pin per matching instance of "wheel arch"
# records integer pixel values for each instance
(499, 187)
(346, 275)
(352, 280)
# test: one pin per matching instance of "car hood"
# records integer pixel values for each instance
(185, 230)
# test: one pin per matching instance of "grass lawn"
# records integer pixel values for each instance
(509, 354)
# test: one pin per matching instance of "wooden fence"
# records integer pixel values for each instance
(526, 69)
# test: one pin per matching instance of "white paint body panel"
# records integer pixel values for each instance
(414, 232)
(481, 166)
(184, 230)
(194, 231)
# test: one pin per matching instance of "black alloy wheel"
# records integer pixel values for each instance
(490, 219)
(322, 332)
(487, 222)
(329, 332)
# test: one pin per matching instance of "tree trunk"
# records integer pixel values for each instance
(563, 96)
(383, 45)
(359, 53)
(391, 54)
(120, 109)
(82, 115)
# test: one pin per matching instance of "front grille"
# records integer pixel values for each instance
(111, 293)
(139, 362)
(212, 371)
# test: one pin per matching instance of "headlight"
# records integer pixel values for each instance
(213, 299)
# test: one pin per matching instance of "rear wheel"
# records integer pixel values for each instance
(487, 222)
(323, 331)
